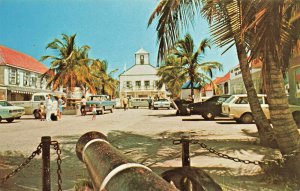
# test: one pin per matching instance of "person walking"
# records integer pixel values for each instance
(125, 103)
(150, 102)
(60, 107)
(42, 111)
(94, 112)
(48, 107)
(83, 105)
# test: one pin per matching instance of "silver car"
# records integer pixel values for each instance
(161, 103)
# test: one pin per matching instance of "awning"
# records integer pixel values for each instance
(21, 90)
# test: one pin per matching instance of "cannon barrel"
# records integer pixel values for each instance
(111, 170)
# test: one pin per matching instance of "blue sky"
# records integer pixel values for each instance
(114, 29)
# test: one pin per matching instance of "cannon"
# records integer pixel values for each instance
(111, 170)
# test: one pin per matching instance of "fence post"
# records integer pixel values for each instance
(46, 142)
(185, 150)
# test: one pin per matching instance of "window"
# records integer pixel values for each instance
(13, 76)
(128, 84)
(242, 100)
(155, 83)
(39, 98)
(142, 59)
(138, 84)
(33, 81)
(147, 84)
(26, 79)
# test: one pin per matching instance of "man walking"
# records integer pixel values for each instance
(48, 108)
(149, 102)
(125, 103)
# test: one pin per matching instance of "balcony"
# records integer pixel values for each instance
(140, 88)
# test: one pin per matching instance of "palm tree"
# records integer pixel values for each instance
(190, 61)
(171, 75)
(226, 30)
(275, 26)
(70, 66)
(256, 27)
(103, 81)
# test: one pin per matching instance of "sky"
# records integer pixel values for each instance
(114, 29)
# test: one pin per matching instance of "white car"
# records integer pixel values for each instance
(237, 107)
(10, 112)
(161, 103)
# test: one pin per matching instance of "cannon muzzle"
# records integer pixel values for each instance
(111, 170)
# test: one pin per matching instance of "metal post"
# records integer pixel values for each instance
(111, 170)
(185, 150)
(46, 142)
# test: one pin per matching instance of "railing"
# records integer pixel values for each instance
(140, 88)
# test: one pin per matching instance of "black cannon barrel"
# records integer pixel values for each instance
(111, 170)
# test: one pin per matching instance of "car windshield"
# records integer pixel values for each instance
(162, 100)
(5, 103)
(229, 99)
(222, 99)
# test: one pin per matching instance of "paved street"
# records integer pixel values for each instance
(24, 134)
(146, 136)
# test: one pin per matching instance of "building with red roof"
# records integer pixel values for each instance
(20, 75)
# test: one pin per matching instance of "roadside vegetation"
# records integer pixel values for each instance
(72, 67)
(183, 64)
(267, 30)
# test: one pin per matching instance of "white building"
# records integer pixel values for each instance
(20, 76)
(140, 81)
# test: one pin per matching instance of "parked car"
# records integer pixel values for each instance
(102, 102)
(237, 107)
(161, 103)
(210, 108)
(10, 112)
(139, 102)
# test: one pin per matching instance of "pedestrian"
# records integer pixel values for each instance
(149, 102)
(94, 111)
(83, 105)
(125, 103)
(60, 107)
(42, 111)
(48, 107)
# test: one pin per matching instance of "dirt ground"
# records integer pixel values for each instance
(147, 137)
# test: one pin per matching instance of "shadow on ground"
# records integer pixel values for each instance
(150, 151)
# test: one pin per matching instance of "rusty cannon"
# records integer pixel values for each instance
(111, 170)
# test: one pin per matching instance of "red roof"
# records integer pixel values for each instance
(17, 59)
(220, 80)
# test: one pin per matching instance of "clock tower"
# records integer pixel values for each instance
(142, 57)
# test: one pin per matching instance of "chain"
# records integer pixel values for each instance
(278, 162)
(58, 162)
(25, 163)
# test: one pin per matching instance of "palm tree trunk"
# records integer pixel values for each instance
(264, 128)
(284, 126)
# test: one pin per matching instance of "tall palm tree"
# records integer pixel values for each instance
(190, 61)
(232, 25)
(103, 81)
(70, 66)
(275, 25)
(172, 75)
(226, 28)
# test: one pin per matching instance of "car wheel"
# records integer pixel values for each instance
(36, 115)
(246, 118)
(10, 120)
(208, 116)
(168, 108)
(155, 108)
(111, 110)
(0, 119)
(18, 118)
